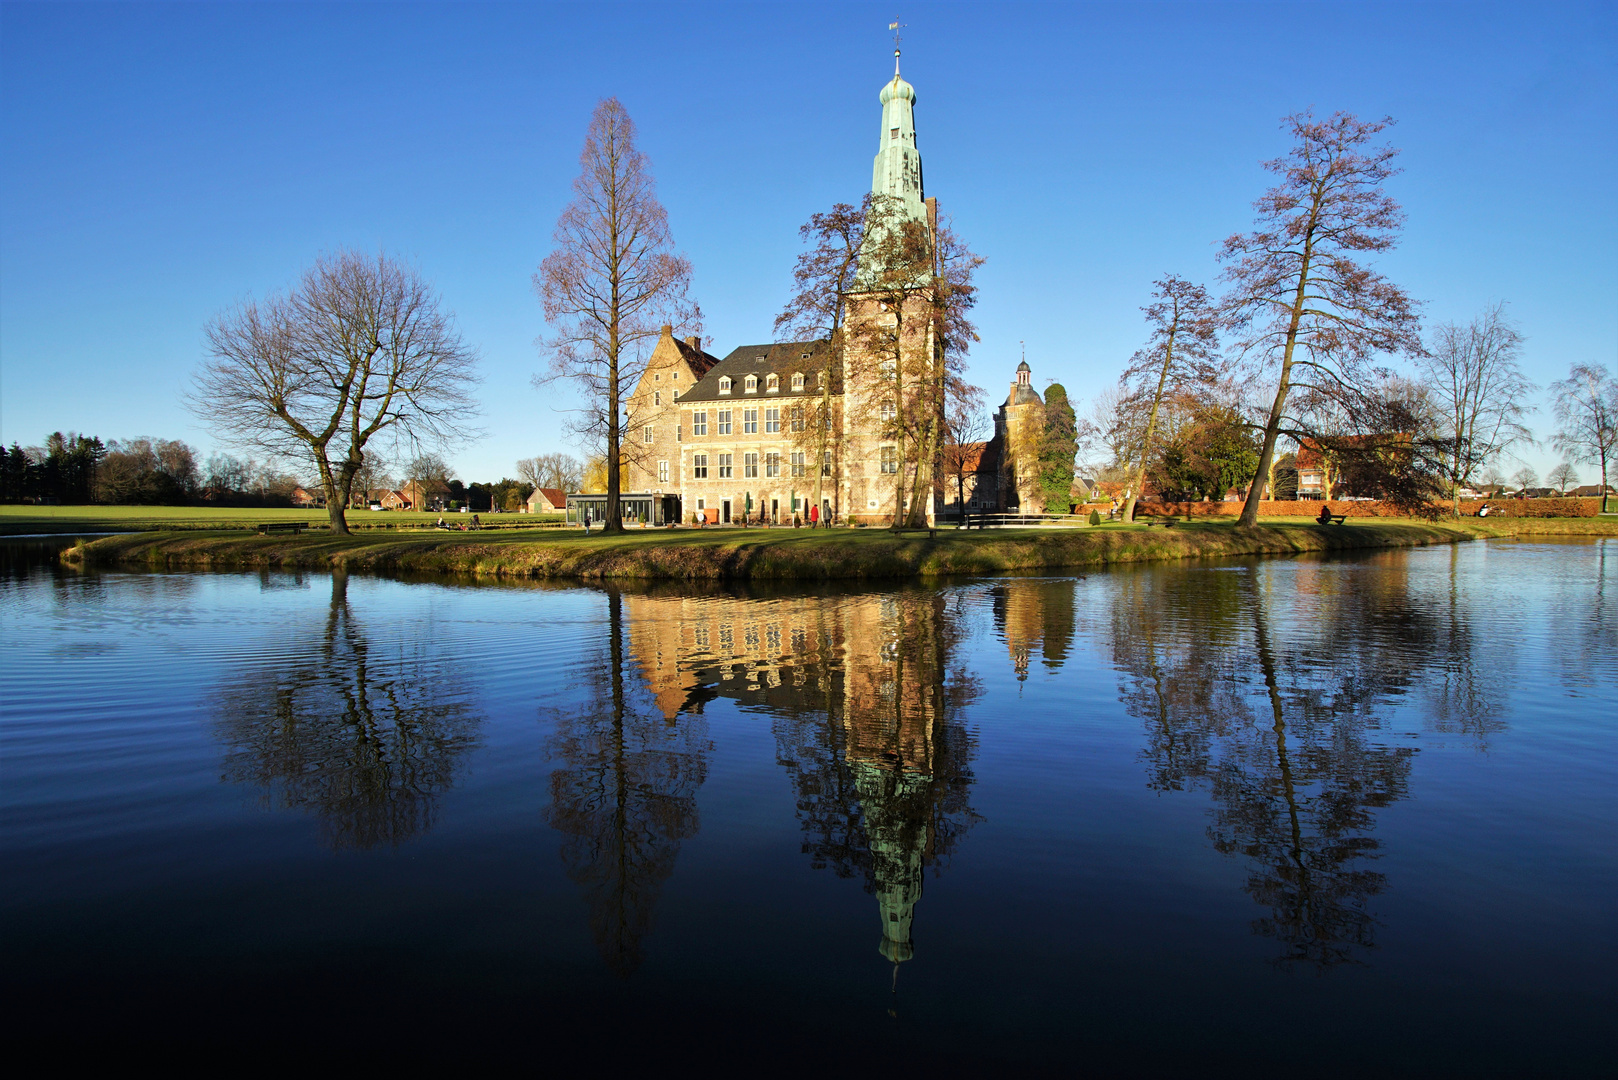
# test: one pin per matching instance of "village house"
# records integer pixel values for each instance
(545, 501)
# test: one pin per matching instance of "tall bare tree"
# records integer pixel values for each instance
(611, 283)
(561, 471)
(1586, 408)
(824, 277)
(1180, 354)
(356, 350)
(1298, 294)
(965, 431)
(1563, 477)
(1480, 390)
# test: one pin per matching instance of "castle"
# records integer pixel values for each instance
(771, 430)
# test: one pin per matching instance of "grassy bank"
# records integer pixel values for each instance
(779, 554)
(17, 520)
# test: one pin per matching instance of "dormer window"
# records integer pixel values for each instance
(773, 385)
(797, 380)
(752, 384)
(724, 384)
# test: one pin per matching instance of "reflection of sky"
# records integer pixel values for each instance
(1077, 877)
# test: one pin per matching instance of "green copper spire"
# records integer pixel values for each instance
(897, 171)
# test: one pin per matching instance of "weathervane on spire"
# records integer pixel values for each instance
(896, 26)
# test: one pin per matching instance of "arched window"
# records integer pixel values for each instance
(752, 384)
(724, 384)
(772, 384)
(797, 380)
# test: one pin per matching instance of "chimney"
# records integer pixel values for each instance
(668, 331)
(695, 343)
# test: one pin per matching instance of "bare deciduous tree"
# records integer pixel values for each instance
(965, 431)
(611, 284)
(824, 278)
(1525, 478)
(1302, 301)
(1586, 407)
(1480, 390)
(357, 349)
(1563, 477)
(561, 471)
(1180, 354)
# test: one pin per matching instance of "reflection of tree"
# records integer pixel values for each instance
(883, 776)
(366, 741)
(1283, 727)
(624, 797)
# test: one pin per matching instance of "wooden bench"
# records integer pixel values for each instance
(1331, 519)
(293, 527)
(1160, 519)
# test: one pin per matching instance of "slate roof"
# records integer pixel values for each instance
(782, 359)
(699, 361)
(1023, 395)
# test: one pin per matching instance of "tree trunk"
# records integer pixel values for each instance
(1151, 427)
(1272, 427)
(337, 494)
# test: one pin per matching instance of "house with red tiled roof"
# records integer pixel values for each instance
(546, 501)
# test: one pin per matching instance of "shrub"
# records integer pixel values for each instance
(1095, 517)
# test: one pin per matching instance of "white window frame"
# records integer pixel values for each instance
(699, 466)
(699, 422)
(749, 421)
(889, 460)
(798, 463)
(726, 466)
(797, 380)
(646, 434)
(772, 385)
(772, 464)
(724, 421)
(751, 385)
(662, 472)
(724, 384)
(749, 466)
(772, 420)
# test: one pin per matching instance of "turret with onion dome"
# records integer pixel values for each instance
(897, 171)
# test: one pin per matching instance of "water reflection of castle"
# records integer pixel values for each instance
(866, 708)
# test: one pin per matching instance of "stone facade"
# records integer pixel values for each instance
(1019, 428)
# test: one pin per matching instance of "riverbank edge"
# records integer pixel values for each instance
(780, 555)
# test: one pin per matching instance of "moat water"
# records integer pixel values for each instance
(1351, 815)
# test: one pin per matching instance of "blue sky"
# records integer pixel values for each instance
(161, 162)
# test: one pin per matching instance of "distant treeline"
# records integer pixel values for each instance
(79, 469)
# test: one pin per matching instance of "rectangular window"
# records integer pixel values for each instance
(724, 466)
(699, 422)
(772, 464)
(699, 466)
(724, 421)
(657, 397)
(646, 433)
(825, 464)
(679, 432)
(662, 472)
(797, 418)
(890, 459)
(772, 420)
(749, 421)
(750, 466)
(887, 411)
(797, 463)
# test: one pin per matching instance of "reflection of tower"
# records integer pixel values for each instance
(898, 847)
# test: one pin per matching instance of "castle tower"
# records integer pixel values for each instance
(1020, 425)
(897, 170)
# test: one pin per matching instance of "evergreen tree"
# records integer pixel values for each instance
(1057, 450)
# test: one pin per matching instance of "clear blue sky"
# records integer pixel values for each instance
(161, 162)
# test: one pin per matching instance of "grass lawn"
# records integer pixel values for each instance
(783, 553)
(38, 519)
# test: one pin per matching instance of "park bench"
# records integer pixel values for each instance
(1160, 519)
(293, 527)
(1331, 519)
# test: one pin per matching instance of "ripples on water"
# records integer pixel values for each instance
(1357, 812)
